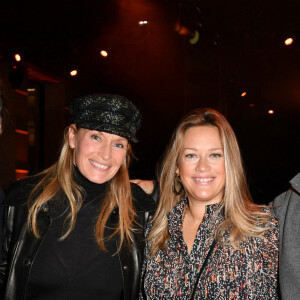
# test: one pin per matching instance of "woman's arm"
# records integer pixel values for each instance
(149, 186)
(146, 185)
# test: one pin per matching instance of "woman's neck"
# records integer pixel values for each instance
(86, 184)
(195, 212)
(193, 216)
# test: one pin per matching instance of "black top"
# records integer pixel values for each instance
(76, 268)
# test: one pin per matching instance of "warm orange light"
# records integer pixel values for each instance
(251, 105)
(271, 112)
(21, 131)
(21, 92)
(183, 31)
(289, 41)
(17, 57)
(21, 174)
(243, 94)
(180, 29)
(73, 73)
(104, 53)
(20, 171)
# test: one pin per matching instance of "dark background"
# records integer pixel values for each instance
(240, 49)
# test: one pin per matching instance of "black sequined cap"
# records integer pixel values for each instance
(107, 112)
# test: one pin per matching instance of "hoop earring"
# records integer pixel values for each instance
(177, 183)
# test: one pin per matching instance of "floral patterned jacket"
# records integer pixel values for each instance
(249, 272)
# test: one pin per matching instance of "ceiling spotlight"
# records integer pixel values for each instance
(243, 94)
(17, 57)
(143, 22)
(104, 53)
(73, 73)
(271, 112)
(288, 41)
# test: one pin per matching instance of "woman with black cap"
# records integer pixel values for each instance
(75, 231)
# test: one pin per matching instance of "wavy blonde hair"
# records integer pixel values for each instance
(241, 214)
(58, 180)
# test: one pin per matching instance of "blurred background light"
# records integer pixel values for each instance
(104, 53)
(17, 57)
(289, 41)
(73, 73)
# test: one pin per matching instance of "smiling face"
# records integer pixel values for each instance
(98, 155)
(201, 165)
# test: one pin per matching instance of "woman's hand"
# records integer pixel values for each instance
(146, 185)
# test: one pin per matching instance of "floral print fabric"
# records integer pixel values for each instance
(249, 272)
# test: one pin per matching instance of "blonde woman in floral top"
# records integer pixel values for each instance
(208, 240)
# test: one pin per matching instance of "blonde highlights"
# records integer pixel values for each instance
(58, 181)
(241, 214)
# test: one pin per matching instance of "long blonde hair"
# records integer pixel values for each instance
(241, 214)
(58, 180)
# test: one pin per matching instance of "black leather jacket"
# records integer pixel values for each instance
(20, 246)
